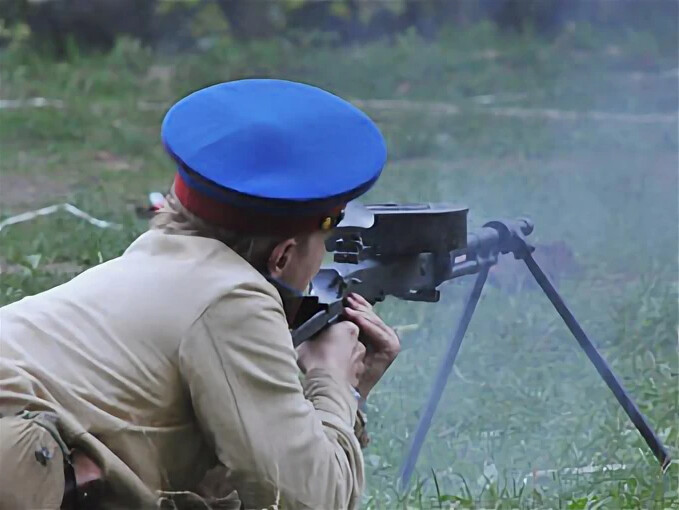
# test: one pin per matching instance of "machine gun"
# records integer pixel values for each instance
(408, 251)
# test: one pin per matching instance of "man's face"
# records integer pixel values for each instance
(296, 261)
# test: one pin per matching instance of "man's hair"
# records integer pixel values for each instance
(174, 218)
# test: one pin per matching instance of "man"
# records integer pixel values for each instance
(150, 369)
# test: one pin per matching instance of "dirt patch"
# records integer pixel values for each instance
(442, 108)
(114, 163)
(31, 191)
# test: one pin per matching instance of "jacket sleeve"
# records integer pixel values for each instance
(294, 439)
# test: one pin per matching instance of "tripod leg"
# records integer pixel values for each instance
(600, 364)
(441, 380)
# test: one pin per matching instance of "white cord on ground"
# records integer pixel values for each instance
(45, 211)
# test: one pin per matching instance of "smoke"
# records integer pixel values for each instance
(578, 132)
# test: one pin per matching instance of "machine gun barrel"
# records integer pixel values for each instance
(401, 272)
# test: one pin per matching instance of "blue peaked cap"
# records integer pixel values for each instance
(273, 145)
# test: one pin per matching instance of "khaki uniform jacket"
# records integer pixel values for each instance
(172, 357)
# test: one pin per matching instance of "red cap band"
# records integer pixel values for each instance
(238, 219)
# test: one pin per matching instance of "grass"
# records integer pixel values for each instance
(524, 398)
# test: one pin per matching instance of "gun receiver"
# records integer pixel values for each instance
(406, 253)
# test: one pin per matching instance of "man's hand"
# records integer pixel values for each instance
(336, 350)
(383, 342)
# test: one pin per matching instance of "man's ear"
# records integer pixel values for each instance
(280, 257)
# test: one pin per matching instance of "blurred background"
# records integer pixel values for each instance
(561, 110)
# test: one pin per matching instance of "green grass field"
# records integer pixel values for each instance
(580, 134)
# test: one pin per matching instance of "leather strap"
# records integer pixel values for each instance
(70, 499)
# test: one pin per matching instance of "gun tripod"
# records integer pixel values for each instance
(483, 248)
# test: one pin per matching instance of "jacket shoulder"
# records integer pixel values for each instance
(212, 267)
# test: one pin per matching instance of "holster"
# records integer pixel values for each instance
(85, 497)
